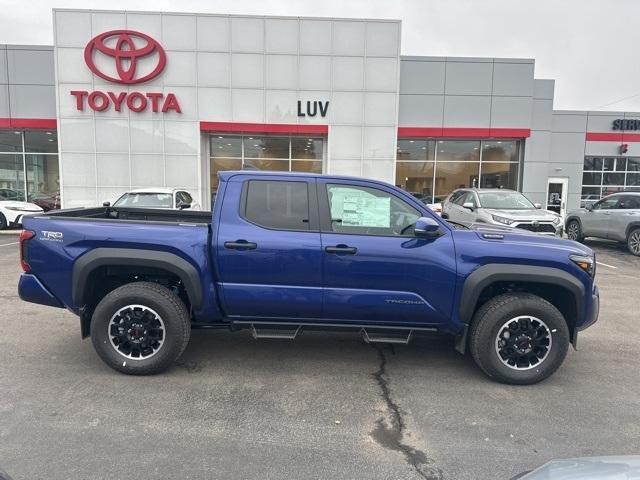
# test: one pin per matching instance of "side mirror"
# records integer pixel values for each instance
(183, 206)
(468, 205)
(589, 207)
(106, 204)
(426, 228)
(537, 205)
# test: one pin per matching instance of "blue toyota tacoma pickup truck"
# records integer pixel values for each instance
(284, 252)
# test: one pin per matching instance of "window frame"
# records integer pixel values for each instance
(311, 196)
(325, 208)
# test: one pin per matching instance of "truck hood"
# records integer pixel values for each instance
(519, 214)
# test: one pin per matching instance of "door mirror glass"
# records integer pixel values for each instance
(468, 205)
(537, 205)
(426, 228)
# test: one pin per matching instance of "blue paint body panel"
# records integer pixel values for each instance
(391, 280)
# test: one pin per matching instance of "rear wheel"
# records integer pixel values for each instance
(518, 338)
(633, 242)
(140, 328)
(574, 231)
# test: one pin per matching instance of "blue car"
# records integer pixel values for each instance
(284, 252)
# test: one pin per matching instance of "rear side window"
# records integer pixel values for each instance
(630, 202)
(278, 204)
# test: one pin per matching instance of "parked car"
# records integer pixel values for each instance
(588, 200)
(616, 217)
(501, 207)
(282, 252)
(13, 212)
(10, 194)
(169, 198)
(45, 201)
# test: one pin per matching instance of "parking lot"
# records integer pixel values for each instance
(324, 406)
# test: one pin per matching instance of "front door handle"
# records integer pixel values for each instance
(341, 249)
(240, 245)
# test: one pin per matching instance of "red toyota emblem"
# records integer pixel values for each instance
(126, 48)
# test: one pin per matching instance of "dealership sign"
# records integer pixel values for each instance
(128, 58)
(626, 124)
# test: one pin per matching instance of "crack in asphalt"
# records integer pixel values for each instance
(391, 436)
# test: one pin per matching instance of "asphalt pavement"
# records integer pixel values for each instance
(326, 406)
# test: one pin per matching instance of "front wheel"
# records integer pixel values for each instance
(633, 242)
(3, 222)
(140, 328)
(574, 231)
(518, 338)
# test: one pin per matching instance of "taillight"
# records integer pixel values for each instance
(25, 235)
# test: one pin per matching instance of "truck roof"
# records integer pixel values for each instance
(227, 174)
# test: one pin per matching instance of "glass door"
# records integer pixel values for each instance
(557, 195)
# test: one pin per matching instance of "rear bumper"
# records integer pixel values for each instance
(31, 290)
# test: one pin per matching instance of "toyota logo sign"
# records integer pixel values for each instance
(125, 50)
(121, 46)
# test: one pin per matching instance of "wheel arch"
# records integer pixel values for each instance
(630, 228)
(99, 258)
(560, 288)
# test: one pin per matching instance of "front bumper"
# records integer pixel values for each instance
(31, 290)
(592, 309)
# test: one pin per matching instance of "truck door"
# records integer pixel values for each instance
(268, 248)
(375, 269)
(595, 223)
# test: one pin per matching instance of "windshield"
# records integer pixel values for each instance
(145, 200)
(504, 201)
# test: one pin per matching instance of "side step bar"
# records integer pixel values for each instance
(399, 336)
(282, 332)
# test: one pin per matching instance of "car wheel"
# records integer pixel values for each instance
(518, 338)
(633, 242)
(574, 231)
(140, 328)
(3, 222)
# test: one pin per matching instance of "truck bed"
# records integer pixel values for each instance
(128, 214)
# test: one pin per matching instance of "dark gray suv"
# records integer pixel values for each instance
(616, 217)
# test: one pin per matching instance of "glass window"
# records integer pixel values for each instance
(369, 211)
(608, 190)
(226, 146)
(608, 163)
(621, 164)
(417, 179)
(11, 177)
(458, 151)
(43, 181)
(10, 141)
(221, 164)
(306, 166)
(499, 175)
(266, 147)
(306, 148)
(633, 179)
(591, 178)
(613, 179)
(272, 165)
(450, 176)
(633, 164)
(41, 141)
(278, 204)
(499, 151)
(593, 163)
(145, 200)
(630, 202)
(606, 204)
(416, 149)
(505, 200)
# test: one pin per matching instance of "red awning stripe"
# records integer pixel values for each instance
(451, 132)
(620, 137)
(281, 128)
(33, 123)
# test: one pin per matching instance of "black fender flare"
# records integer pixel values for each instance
(484, 276)
(630, 228)
(570, 218)
(130, 257)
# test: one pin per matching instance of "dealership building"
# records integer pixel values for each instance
(128, 100)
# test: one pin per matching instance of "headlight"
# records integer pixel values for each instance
(588, 264)
(503, 220)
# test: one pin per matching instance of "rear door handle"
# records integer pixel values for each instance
(240, 245)
(341, 249)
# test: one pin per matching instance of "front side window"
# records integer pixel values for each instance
(606, 204)
(369, 211)
(277, 204)
(505, 200)
(145, 200)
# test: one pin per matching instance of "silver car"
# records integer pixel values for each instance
(616, 217)
(500, 207)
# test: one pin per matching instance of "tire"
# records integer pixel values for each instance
(3, 222)
(145, 307)
(489, 328)
(633, 242)
(574, 231)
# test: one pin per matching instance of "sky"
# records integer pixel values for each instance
(590, 47)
